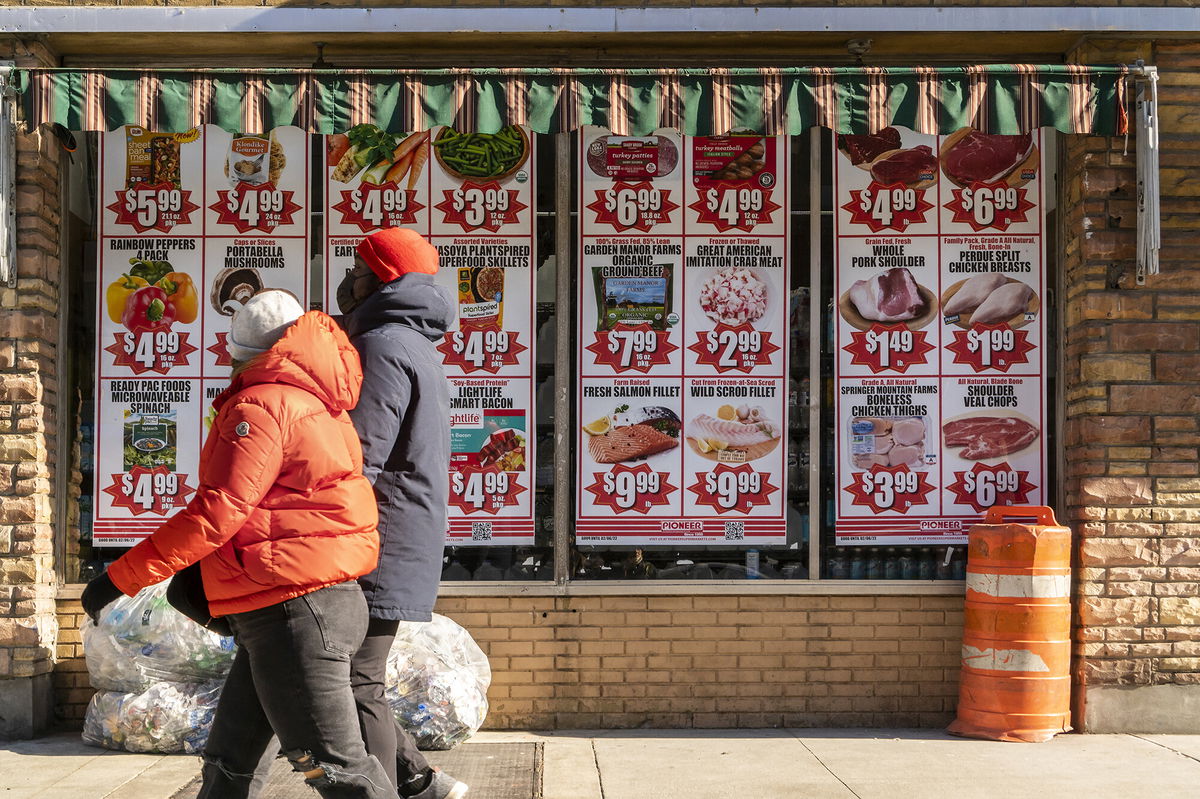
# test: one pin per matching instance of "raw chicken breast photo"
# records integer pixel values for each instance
(989, 299)
(887, 442)
(889, 297)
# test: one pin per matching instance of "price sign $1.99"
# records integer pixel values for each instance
(477, 488)
(991, 342)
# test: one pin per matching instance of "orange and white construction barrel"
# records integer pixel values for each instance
(1015, 683)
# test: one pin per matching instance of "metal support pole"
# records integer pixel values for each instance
(816, 332)
(564, 343)
(8, 173)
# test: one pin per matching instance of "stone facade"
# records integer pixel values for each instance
(29, 400)
(1132, 385)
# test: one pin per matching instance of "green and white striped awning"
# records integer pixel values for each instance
(1007, 98)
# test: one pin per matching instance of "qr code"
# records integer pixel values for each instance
(481, 531)
(735, 531)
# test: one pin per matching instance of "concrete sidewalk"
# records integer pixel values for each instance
(715, 764)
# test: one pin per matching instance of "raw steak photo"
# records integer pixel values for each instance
(984, 158)
(865, 149)
(988, 436)
(910, 167)
(892, 296)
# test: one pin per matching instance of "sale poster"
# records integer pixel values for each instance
(940, 345)
(682, 339)
(192, 224)
(472, 196)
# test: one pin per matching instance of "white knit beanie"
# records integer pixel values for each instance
(261, 322)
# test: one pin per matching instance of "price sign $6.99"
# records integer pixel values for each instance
(145, 488)
(476, 488)
(628, 205)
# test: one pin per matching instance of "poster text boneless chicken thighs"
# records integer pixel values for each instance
(192, 224)
(472, 194)
(939, 332)
(682, 340)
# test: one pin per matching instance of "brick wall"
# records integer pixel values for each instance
(687, 661)
(28, 399)
(1132, 382)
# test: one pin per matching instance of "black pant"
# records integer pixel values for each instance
(292, 675)
(385, 738)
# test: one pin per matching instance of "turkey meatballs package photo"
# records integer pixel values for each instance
(940, 279)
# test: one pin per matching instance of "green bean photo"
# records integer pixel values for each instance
(481, 155)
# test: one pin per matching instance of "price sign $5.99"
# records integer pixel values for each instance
(476, 488)
(146, 205)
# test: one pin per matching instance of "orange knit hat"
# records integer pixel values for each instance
(395, 251)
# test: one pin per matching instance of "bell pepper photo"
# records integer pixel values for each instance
(181, 293)
(148, 310)
(118, 292)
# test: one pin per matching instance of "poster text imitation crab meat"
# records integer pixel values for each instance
(682, 339)
(939, 333)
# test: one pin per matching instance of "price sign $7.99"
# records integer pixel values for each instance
(476, 487)
(627, 486)
(631, 342)
(145, 487)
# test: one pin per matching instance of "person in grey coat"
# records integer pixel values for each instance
(394, 315)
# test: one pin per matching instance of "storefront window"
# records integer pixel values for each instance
(795, 515)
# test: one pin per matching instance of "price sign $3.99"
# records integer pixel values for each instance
(890, 488)
(476, 204)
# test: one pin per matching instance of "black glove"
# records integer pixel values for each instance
(97, 595)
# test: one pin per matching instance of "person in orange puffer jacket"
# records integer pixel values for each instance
(282, 525)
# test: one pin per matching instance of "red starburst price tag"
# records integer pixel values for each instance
(635, 489)
(990, 205)
(475, 206)
(733, 349)
(143, 490)
(633, 206)
(889, 348)
(893, 207)
(996, 347)
(161, 207)
(984, 486)
(247, 207)
(739, 207)
(372, 207)
(475, 348)
(486, 489)
(150, 351)
(636, 348)
(220, 350)
(733, 489)
(893, 488)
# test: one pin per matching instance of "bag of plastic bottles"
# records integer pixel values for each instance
(437, 682)
(142, 640)
(166, 718)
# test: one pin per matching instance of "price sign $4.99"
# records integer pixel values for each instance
(884, 204)
(476, 488)
(733, 206)
(145, 488)
(479, 345)
(148, 348)
(249, 205)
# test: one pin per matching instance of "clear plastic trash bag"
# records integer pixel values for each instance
(142, 640)
(167, 718)
(437, 682)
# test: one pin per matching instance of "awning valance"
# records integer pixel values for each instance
(1007, 98)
